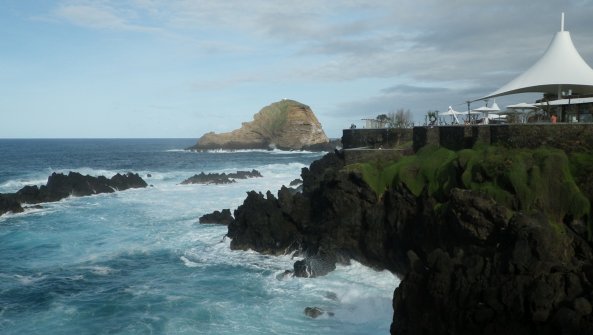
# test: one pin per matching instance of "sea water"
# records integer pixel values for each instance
(138, 261)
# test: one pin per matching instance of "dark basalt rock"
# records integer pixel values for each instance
(314, 266)
(315, 312)
(323, 220)
(8, 204)
(60, 186)
(467, 264)
(129, 180)
(260, 225)
(223, 217)
(221, 178)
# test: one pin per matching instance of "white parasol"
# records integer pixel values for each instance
(519, 109)
(487, 110)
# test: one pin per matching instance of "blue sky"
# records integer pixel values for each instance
(181, 68)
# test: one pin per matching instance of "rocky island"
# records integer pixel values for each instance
(285, 125)
(490, 239)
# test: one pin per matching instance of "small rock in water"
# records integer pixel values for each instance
(331, 296)
(284, 275)
(315, 312)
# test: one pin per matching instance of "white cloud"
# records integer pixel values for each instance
(99, 16)
(456, 49)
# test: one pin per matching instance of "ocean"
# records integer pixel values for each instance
(138, 261)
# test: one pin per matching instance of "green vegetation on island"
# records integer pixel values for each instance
(273, 118)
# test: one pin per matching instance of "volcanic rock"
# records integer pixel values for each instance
(9, 204)
(221, 178)
(314, 266)
(487, 248)
(60, 186)
(223, 217)
(315, 312)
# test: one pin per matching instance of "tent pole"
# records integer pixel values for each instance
(468, 114)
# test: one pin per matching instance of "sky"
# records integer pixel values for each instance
(181, 68)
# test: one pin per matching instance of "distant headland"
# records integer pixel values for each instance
(284, 125)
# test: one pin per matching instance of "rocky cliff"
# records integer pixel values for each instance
(487, 240)
(286, 125)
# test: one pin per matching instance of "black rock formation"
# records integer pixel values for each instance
(315, 312)
(9, 204)
(468, 264)
(221, 178)
(60, 186)
(223, 217)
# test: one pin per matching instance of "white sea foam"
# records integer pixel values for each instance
(30, 280)
(99, 270)
(15, 185)
(273, 151)
(188, 263)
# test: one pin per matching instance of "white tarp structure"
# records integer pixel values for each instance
(485, 109)
(453, 113)
(561, 68)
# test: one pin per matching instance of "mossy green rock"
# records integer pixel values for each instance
(531, 180)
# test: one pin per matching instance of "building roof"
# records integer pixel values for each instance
(561, 68)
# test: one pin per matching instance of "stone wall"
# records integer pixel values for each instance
(563, 136)
(352, 156)
(568, 137)
(375, 138)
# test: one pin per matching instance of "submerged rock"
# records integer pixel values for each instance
(315, 312)
(285, 274)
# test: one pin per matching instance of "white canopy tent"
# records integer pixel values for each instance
(561, 68)
(453, 113)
